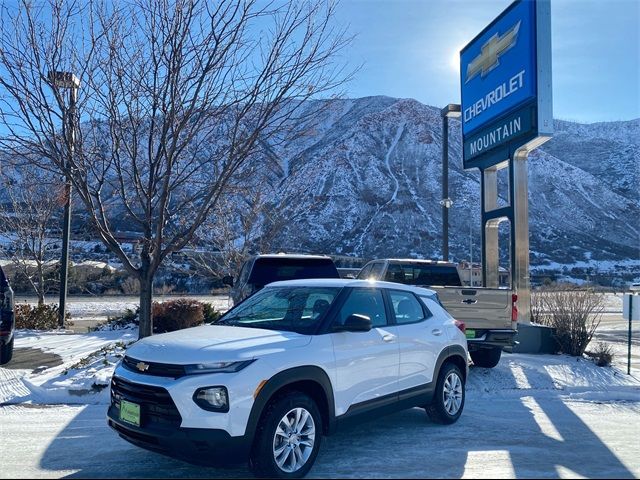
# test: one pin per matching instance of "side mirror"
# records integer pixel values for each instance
(355, 323)
(227, 280)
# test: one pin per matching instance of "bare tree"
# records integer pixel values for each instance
(234, 230)
(248, 220)
(26, 218)
(177, 97)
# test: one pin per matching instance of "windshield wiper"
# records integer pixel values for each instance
(225, 321)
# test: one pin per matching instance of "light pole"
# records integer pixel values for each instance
(451, 110)
(66, 80)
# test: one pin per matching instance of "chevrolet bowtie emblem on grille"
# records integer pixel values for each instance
(491, 51)
(143, 367)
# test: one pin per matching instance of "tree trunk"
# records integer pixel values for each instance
(146, 298)
(40, 289)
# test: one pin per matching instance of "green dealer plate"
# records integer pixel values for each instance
(130, 412)
(470, 333)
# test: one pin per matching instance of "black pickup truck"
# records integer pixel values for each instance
(7, 320)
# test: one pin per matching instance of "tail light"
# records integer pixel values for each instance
(460, 325)
(514, 308)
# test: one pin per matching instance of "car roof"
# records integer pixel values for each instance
(416, 260)
(349, 282)
(292, 255)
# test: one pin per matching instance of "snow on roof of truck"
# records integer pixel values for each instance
(420, 260)
(291, 255)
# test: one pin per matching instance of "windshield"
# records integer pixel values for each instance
(295, 309)
(423, 274)
(267, 270)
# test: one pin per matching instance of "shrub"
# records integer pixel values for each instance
(126, 320)
(211, 315)
(167, 316)
(573, 313)
(43, 317)
(602, 354)
(176, 315)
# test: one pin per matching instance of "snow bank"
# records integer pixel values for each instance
(521, 374)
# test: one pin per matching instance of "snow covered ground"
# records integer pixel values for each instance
(532, 416)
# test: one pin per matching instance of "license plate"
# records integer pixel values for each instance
(470, 333)
(130, 412)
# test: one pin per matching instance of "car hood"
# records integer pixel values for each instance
(210, 343)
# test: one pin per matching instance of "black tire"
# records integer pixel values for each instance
(486, 357)
(6, 352)
(262, 459)
(439, 411)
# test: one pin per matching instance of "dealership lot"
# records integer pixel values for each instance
(531, 416)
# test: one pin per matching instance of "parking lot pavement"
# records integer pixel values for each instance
(31, 358)
(541, 435)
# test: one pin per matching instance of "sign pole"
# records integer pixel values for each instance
(629, 336)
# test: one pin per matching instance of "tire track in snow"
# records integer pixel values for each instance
(11, 384)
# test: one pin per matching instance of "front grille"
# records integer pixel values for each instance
(156, 405)
(153, 368)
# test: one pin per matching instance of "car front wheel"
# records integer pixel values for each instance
(288, 438)
(448, 401)
(6, 352)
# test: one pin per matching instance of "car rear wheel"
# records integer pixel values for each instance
(486, 357)
(448, 401)
(6, 352)
(288, 438)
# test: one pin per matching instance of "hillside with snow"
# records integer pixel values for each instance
(366, 181)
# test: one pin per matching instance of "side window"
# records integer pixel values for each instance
(434, 298)
(406, 307)
(364, 301)
(317, 304)
(395, 273)
(366, 270)
(244, 273)
(376, 270)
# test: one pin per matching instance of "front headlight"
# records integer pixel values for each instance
(215, 399)
(216, 367)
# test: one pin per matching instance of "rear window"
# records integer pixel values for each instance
(417, 274)
(267, 270)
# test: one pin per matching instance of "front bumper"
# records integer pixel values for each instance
(160, 429)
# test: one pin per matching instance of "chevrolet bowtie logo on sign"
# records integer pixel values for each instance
(491, 51)
(143, 367)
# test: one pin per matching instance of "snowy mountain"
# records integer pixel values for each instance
(364, 178)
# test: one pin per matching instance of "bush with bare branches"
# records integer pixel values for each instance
(574, 313)
(602, 354)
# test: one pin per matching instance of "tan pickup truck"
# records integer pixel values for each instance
(490, 314)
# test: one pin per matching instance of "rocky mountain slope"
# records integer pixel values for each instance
(364, 179)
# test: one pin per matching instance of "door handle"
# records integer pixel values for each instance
(437, 332)
(469, 301)
(388, 337)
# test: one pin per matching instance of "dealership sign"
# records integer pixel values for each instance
(506, 85)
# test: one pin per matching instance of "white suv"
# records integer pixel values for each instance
(286, 366)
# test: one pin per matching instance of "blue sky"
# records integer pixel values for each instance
(409, 49)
